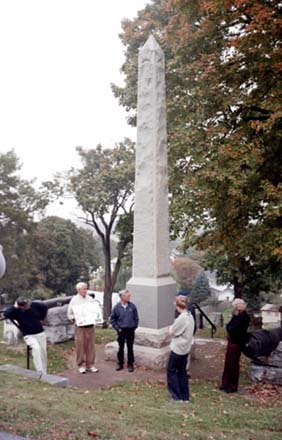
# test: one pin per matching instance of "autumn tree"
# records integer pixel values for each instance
(185, 271)
(103, 188)
(224, 125)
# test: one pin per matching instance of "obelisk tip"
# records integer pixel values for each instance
(151, 44)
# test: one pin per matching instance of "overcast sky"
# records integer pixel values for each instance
(58, 58)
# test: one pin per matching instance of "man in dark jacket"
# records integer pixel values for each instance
(29, 317)
(124, 319)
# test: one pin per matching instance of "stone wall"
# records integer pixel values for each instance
(57, 326)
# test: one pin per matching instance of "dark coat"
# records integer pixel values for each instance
(29, 320)
(124, 317)
(237, 328)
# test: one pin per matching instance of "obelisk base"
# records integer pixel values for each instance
(154, 299)
(151, 348)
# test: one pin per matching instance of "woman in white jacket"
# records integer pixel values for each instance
(182, 334)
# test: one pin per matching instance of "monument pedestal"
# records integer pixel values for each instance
(154, 298)
(151, 348)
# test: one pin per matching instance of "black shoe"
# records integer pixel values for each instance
(119, 367)
(130, 368)
(222, 388)
(231, 390)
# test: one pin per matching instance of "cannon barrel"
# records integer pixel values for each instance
(262, 343)
(59, 301)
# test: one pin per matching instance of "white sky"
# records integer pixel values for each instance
(58, 58)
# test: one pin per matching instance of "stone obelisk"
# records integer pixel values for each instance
(153, 290)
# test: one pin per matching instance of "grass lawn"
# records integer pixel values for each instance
(129, 410)
(133, 411)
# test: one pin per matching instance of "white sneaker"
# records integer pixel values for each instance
(93, 369)
(82, 370)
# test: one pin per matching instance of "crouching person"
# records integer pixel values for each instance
(29, 316)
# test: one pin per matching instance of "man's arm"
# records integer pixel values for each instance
(176, 329)
(114, 319)
(42, 308)
(136, 316)
(70, 312)
(10, 313)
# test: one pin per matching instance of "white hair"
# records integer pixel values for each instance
(238, 301)
(80, 285)
(122, 292)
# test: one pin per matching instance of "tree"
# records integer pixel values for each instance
(19, 202)
(103, 189)
(224, 127)
(65, 254)
(201, 288)
(185, 272)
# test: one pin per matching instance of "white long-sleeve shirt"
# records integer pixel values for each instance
(78, 300)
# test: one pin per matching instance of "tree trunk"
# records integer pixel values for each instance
(107, 281)
(238, 287)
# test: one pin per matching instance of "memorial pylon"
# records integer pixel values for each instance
(153, 290)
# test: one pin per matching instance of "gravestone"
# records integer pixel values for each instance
(153, 290)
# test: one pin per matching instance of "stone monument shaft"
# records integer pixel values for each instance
(152, 288)
(151, 219)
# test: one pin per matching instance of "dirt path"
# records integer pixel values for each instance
(207, 363)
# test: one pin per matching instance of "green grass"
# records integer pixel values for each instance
(129, 410)
(206, 333)
(133, 411)
(57, 353)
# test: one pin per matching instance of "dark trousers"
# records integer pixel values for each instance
(125, 335)
(230, 377)
(177, 379)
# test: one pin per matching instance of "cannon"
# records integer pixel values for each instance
(261, 343)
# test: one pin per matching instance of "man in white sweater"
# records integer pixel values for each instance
(182, 335)
(84, 334)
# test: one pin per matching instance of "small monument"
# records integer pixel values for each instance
(153, 290)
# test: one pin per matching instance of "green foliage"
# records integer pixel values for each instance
(19, 202)
(103, 188)
(224, 128)
(65, 254)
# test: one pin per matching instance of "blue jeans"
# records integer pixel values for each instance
(177, 379)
